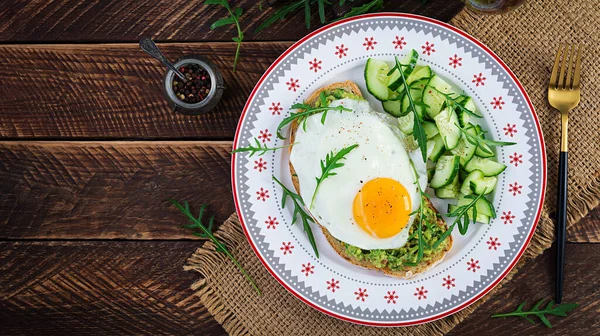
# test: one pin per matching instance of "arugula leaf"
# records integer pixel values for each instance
(454, 102)
(478, 141)
(306, 112)
(305, 217)
(373, 5)
(558, 310)
(206, 232)
(260, 149)
(418, 130)
(332, 162)
(462, 218)
(231, 19)
(280, 14)
(421, 210)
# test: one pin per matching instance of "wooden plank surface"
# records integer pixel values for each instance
(120, 190)
(108, 190)
(114, 91)
(177, 20)
(87, 288)
(99, 288)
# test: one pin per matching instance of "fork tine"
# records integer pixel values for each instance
(553, 82)
(571, 61)
(577, 68)
(561, 78)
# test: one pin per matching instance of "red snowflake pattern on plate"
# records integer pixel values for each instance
(507, 217)
(341, 50)
(514, 188)
(271, 222)
(428, 48)
(276, 108)
(333, 285)
(493, 243)
(370, 43)
(315, 65)
(473, 265)
(308, 269)
(479, 79)
(421, 293)
(260, 165)
(448, 282)
(293, 84)
(287, 248)
(391, 297)
(263, 194)
(510, 129)
(455, 61)
(497, 103)
(264, 135)
(361, 294)
(516, 159)
(399, 42)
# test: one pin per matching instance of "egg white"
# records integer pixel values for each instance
(381, 152)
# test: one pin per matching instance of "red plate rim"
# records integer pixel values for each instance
(543, 160)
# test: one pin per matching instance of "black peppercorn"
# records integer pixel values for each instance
(196, 87)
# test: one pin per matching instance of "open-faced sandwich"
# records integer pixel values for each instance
(368, 210)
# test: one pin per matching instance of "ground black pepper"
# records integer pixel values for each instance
(196, 87)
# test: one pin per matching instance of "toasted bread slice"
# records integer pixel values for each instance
(407, 272)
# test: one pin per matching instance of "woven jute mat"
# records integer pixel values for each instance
(526, 39)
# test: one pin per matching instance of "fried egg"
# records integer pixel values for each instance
(370, 201)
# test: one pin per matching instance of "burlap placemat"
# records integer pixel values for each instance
(526, 39)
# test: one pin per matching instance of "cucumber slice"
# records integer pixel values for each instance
(430, 129)
(446, 122)
(465, 189)
(449, 191)
(463, 117)
(395, 80)
(481, 218)
(465, 149)
(377, 79)
(484, 185)
(410, 142)
(435, 148)
(419, 74)
(392, 107)
(483, 206)
(487, 166)
(488, 152)
(446, 171)
(432, 98)
(462, 174)
(406, 123)
(416, 94)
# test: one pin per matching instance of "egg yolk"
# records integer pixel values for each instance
(382, 207)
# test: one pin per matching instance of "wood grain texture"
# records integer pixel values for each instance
(534, 282)
(119, 189)
(176, 20)
(114, 91)
(108, 190)
(95, 288)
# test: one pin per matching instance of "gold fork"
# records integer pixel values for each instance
(563, 95)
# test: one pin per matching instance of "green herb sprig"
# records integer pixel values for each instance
(462, 217)
(420, 211)
(233, 18)
(558, 310)
(299, 210)
(371, 6)
(284, 11)
(331, 162)
(455, 103)
(206, 232)
(306, 111)
(259, 149)
(482, 143)
(418, 130)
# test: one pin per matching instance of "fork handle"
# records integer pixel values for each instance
(561, 225)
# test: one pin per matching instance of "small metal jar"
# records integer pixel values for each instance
(213, 97)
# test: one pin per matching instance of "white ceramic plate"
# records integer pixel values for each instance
(478, 260)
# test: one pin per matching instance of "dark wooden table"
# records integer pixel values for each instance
(90, 152)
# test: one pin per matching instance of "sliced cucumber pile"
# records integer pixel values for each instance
(461, 167)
